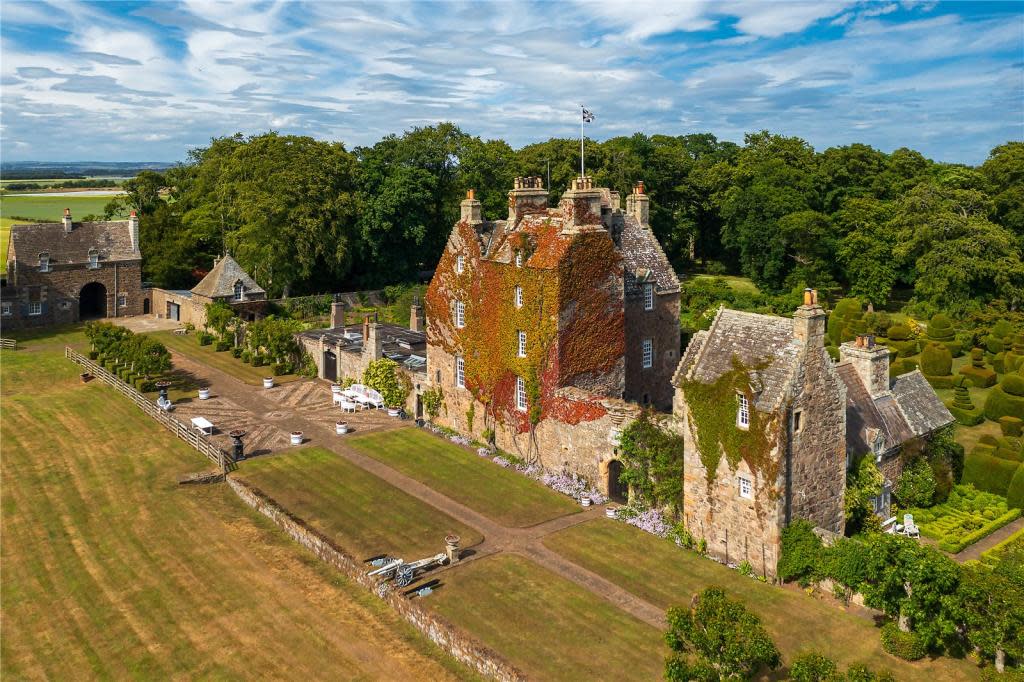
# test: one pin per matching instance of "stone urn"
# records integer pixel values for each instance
(296, 438)
(341, 428)
(204, 394)
(268, 382)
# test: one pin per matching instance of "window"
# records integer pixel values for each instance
(460, 314)
(460, 264)
(94, 259)
(648, 353)
(44, 262)
(880, 504)
(746, 488)
(648, 296)
(520, 394)
(743, 412)
(5, 309)
(798, 421)
(519, 296)
(519, 259)
(522, 344)
(239, 291)
(122, 301)
(35, 308)
(460, 372)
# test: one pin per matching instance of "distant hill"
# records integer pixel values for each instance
(60, 170)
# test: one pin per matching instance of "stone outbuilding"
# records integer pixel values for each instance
(885, 416)
(227, 282)
(61, 273)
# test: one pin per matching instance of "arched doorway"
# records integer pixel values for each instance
(92, 302)
(145, 306)
(617, 490)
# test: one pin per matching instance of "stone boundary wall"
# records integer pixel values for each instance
(463, 647)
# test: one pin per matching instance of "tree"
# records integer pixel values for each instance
(992, 608)
(814, 667)
(384, 377)
(652, 462)
(865, 248)
(220, 317)
(716, 638)
(862, 487)
(916, 487)
(1004, 173)
(274, 337)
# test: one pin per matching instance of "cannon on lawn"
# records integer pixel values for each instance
(404, 573)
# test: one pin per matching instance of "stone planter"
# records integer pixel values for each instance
(585, 501)
(341, 428)
(394, 411)
(204, 394)
(268, 382)
(610, 512)
(296, 438)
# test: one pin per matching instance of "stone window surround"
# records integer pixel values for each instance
(122, 300)
(742, 412)
(798, 422)
(519, 296)
(460, 371)
(521, 350)
(460, 315)
(745, 487)
(647, 353)
(94, 259)
(520, 394)
(648, 296)
(239, 291)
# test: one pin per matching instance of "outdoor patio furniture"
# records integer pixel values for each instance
(181, 331)
(348, 405)
(890, 525)
(337, 398)
(365, 396)
(203, 425)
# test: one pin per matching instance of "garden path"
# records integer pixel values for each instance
(974, 551)
(305, 406)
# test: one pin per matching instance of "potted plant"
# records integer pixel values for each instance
(296, 438)
(585, 500)
(394, 411)
(268, 382)
(204, 394)
(341, 428)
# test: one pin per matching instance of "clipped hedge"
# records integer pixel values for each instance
(1006, 399)
(236, 352)
(957, 546)
(204, 338)
(222, 346)
(988, 472)
(905, 645)
(982, 377)
(1011, 426)
(936, 360)
(1015, 492)
(967, 417)
(279, 368)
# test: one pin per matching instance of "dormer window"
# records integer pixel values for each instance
(460, 264)
(648, 296)
(44, 262)
(94, 259)
(239, 291)
(742, 411)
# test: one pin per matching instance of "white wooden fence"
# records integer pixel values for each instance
(8, 343)
(190, 435)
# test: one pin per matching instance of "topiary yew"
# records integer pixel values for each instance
(936, 364)
(940, 328)
(961, 407)
(1015, 493)
(1006, 399)
(976, 372)
(1010, 426)
(845, 321)
(900, 341)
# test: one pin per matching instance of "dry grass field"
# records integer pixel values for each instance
(110, 570)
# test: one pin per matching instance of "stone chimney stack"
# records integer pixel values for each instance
(527, 196)
(638, 204)
(133, 230)
(472, 210)
(809, 321)
(871, 362)
(68, 225)
(366, 329)
(373, 342)
(581, 204)
(337, 314)
(416, 315)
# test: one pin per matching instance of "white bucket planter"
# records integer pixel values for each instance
(204, 394)
(296, 437)
(341, 428)
(268, 382)
(585, 501)
(610, 512)
(394, 411)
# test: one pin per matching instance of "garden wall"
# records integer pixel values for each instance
(463, 647)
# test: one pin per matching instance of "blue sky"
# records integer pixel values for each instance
(148, 81)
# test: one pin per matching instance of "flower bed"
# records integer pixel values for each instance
(966, 517)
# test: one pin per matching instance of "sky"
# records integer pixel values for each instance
(147, 81)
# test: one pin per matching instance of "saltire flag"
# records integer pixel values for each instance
(588, 116)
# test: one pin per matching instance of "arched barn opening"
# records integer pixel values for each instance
(92, 302)
(617, 490)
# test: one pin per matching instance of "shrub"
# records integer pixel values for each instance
(988, 472)
(833, 353)
(940, 328)
(846, 562)
(813, 667)
(279, 368)
(998, 363)
(993, 344)
(204, 338)
(936, 360)
(1015, 491)
(961, 406)
(800, 554)
(246, 357)
(916, 486)
(905, 645)
(957, 542)
(236, 352)
(93, 354)
(1011, 426)
(144, 385)
(258, 360)
(386, 378)
(847, 311)
(898, 332)
(223, 346)
(978, 374)
(1006, 399)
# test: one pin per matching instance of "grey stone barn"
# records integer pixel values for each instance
(804, 421)
(227, 282)
(61, 273)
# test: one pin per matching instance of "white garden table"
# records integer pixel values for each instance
(203, 425)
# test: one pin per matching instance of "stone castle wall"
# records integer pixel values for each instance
(652, 385)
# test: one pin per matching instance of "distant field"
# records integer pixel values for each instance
(113, 571)
(50, 209)
(100, 181)
(5, 235)
(739, 284)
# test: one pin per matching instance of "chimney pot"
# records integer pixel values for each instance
(640, 187)
(814, 296)
(67, 212)
(808, 296)
(134, 214)
(471, 194)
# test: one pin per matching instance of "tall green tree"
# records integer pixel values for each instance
(865, 248)
(992, 607)
(652, 461)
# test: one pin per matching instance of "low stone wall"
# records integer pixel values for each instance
(463, 647)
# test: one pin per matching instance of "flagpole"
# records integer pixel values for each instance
(582, 174)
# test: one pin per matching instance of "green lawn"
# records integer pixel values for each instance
(50, 209)
(5, 236)
(548, 627)
(359, 511)
(505, 496)
(188, 346)
(738, 284)
(113, 571)
(665, 575)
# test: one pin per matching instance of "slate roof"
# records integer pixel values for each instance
(111, 238)
(402, 345)
(910, 409)
(642, 251)
(220, 281)
(755, 340)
